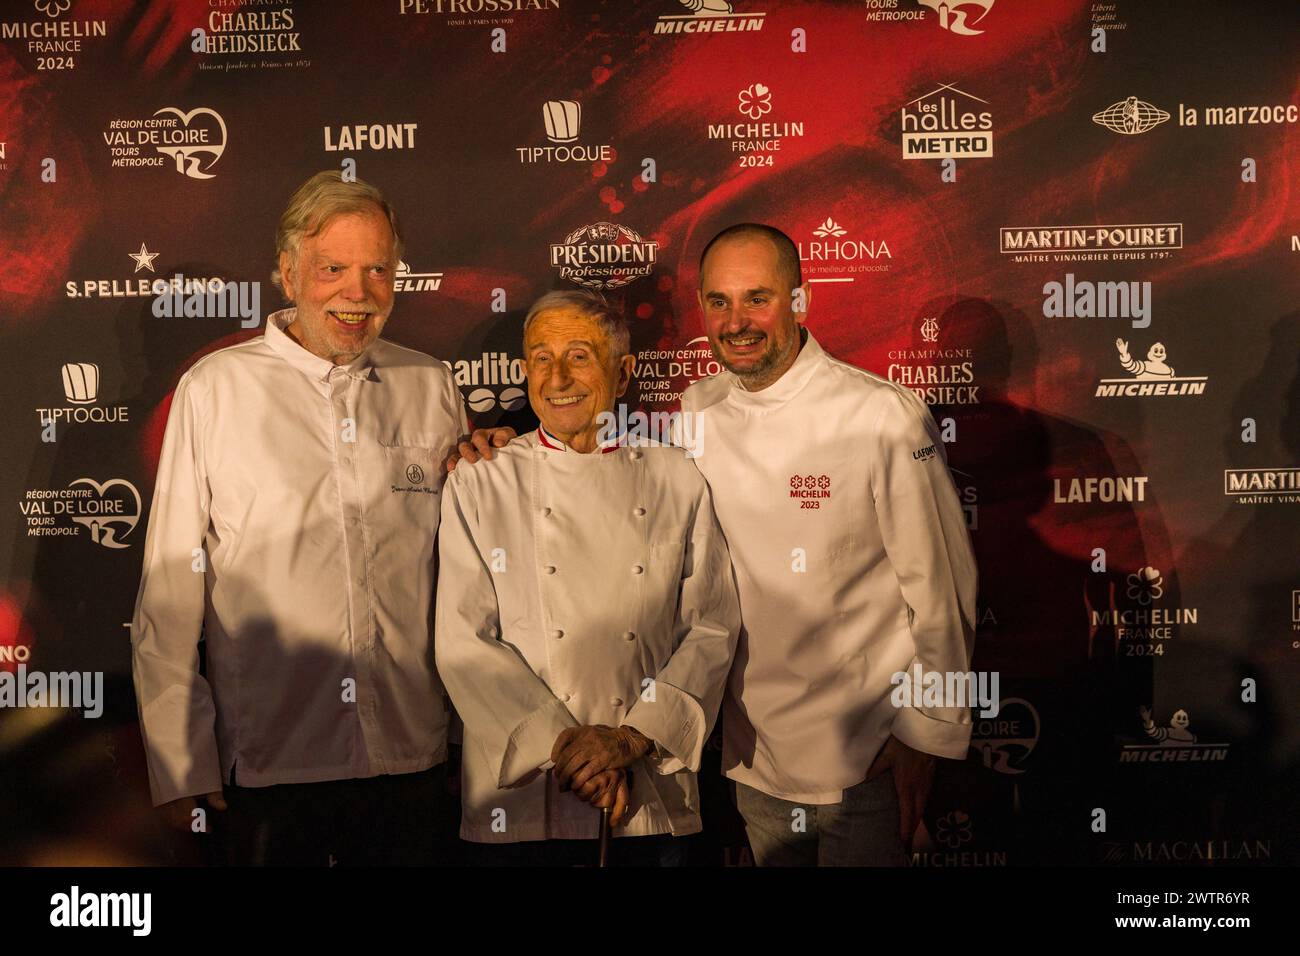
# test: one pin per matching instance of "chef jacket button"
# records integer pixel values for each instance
(550, 569)
(546, 512)
(361, 582)
(557, 634)
(616, 702)
(629, 636)
(492, 632)
(637, 569)
(566, 698)
(347, 461)
(634, 455)
(638, 511)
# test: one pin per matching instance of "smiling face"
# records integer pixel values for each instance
(573, 374)
(748, 307)
(342, 284)
(1157, 352)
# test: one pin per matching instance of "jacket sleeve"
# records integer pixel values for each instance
(503, 703)
(177, 714)
(678, 709)
(927, 543)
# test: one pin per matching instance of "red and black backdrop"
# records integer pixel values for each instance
(1126, 442)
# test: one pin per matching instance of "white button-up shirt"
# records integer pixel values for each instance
(853, 563)
(579, 589)
(313, 492)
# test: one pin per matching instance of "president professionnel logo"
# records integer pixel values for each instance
(604, 255)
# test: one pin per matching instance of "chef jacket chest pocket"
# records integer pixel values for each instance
(407, 478)
(667, 551)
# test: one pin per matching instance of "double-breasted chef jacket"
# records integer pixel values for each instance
(581, 589)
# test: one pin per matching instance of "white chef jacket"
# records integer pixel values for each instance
(889, 574)
(318, 568)
(566, 580)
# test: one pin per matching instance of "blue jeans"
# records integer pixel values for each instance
(860, 830)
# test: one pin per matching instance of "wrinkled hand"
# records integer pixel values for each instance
(607, 789)
(582, 752)
(482, 444)
(179, 814)
(913, 780)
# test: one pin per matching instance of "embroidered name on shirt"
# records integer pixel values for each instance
(924, 454)
(809, 488)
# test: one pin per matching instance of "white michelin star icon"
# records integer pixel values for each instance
(144, 258)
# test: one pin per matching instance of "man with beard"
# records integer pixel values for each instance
(293, 527)
(853, 565)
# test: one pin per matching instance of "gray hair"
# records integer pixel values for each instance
(319, 200)
(593, 305)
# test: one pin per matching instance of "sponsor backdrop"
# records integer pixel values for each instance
(1070, 226)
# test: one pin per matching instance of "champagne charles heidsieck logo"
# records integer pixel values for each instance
(604, 255)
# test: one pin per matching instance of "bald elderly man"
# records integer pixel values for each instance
(586, 614)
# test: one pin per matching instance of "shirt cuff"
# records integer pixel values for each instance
(181, 745)
(675, 721)
(943, 738)
(528, 749)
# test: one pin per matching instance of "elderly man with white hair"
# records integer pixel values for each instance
(586, 614)
(292, 529)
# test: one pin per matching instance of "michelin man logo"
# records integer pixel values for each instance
(1153, 368)
(1175, 733)
(707, 8)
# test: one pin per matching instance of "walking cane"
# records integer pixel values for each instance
(604, 837)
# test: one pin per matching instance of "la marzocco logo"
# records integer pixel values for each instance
(109, 511)
(1149, 377)
(1130, 117)
(1262, 486)
(939, 125)
(604, 255)
(493, 380)
(1005, 742)
(81, 392)
(709, 16)
(1090, 243)
(562, 120)
(1173, 744)
(194, 141)
(371, 136)
(830, 257)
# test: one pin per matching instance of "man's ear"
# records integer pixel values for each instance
(288, 278)
(625, 367)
